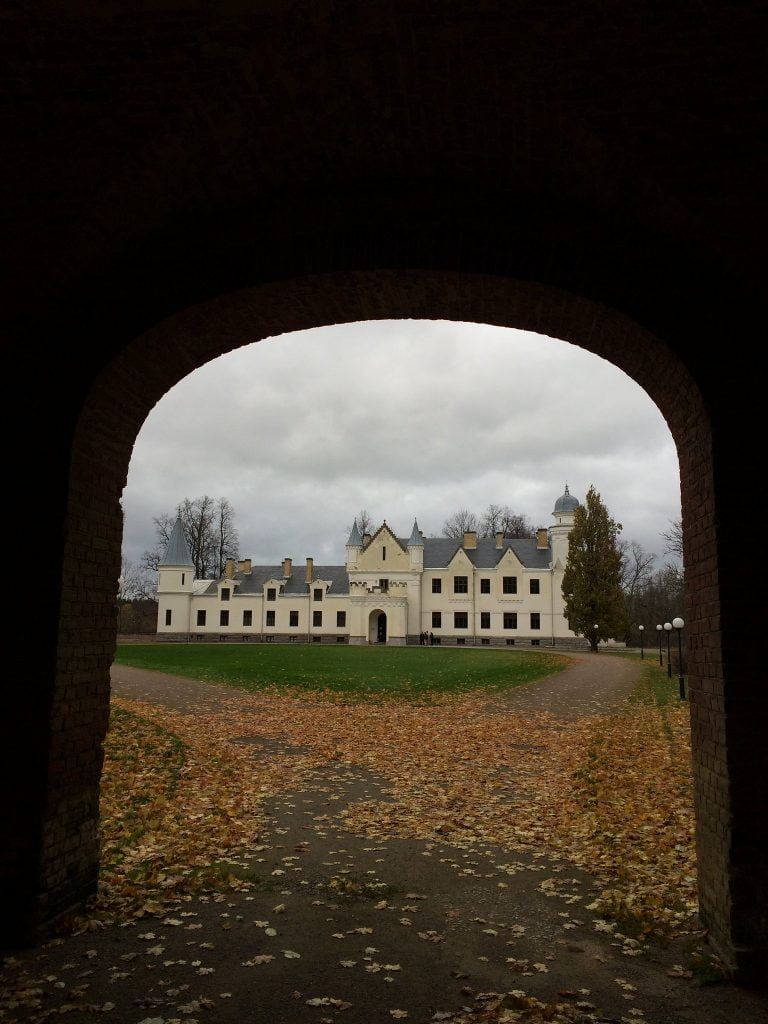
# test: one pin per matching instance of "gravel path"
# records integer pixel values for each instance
(593, 684)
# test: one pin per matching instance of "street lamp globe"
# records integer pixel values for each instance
(668, 628)
(678, 623)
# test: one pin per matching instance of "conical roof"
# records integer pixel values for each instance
(177, 552)
(355, 540)
(415, 540)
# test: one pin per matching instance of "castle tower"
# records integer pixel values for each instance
(416, 548)
(176, 573)
(563, 513)
(354, 547)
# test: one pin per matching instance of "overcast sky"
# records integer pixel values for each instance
(407, 419)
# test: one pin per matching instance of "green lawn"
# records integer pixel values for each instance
(374, 671)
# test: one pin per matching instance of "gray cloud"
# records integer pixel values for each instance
(408, 419)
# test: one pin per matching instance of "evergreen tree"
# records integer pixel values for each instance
(594, 600)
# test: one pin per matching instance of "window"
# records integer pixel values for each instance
(247, 618)
(510, 642)
(460, 585)
(270, 617)
(225, 592)
(437, 586)
(509, 584)
(183, 578)
(341, 618)
(384, 554)
(384, 584)
(461, 641)
(535, 587)
(437, 620)
(460, 620)
(224, 618)
(200, 618)
(485, 586)
(317, 618)
(510, 620)
(293, 619)
(316, 639)
(168, 616)
(317, 594)
(535, 620)
(340, 639)
(485, 641)
(535, 643)
(271, 593)
(485, 620)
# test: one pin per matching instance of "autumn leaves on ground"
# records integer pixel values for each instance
(611, 793)
(404, 849)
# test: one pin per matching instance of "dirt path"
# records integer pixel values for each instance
(343, 928)
(593, 684)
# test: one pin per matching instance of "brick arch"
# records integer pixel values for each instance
(147, 368)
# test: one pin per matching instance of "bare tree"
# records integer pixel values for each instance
(501, 519)
(459, 523)
(227, 540)
(673, 538)
(209, 529)
(136, 582)
(636, 572)
(364, 522)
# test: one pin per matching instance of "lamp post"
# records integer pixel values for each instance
(668, 628)
(597, 634)
(678, 624)
(658, 630)
(641, 630)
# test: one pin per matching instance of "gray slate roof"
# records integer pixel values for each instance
(177, 552)
(438, 552)
(254, 582)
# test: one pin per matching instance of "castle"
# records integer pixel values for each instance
(495, 591)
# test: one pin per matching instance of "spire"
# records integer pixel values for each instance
(177, 552)
(355, 540)
(415, 540)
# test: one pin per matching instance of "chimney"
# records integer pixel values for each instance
(366, 539)
(310, 569)
(229, 571)
(287, 567)
(499, 539)
(541, 538)
(470, 539)
(244, 565)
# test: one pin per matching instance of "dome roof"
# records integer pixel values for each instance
(566, 503)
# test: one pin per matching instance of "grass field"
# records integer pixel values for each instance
(368, 671)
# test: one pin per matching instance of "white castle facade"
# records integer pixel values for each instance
(478, 591)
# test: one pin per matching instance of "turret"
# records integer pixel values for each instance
(416, 547)
(175, 574)
(563, 513)
(354, 547)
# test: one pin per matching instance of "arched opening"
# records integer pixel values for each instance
(131, 385)
(377, 632)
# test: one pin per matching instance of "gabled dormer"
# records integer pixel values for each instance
(384, 553)
(509, 560)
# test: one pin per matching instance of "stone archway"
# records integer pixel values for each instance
(137, 379)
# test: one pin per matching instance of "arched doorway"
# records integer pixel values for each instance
(134, 382)
(377, 627)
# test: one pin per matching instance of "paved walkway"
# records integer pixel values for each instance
(422, 932)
